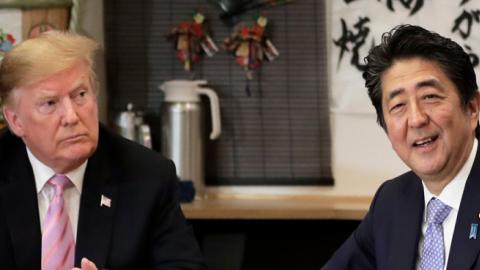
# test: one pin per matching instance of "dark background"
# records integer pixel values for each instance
(270, 244)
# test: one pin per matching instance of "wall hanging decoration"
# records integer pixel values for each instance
(191, 40)
(10, 29)
(6, 42)
(232, 10)
(251, 47)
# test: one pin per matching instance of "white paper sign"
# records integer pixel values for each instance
(357, 24)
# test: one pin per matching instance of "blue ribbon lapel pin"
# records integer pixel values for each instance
(473, 231)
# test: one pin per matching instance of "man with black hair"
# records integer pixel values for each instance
(425, 93)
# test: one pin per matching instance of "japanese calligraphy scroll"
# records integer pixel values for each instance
(357, 25)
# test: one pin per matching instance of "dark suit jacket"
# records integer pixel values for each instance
(143, 229)
(388, 236)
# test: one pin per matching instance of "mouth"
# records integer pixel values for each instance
(425, 141)
(74, 138)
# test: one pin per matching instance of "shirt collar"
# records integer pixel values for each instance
(42, 173)
(452, 192)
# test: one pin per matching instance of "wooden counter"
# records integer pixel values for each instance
(278, 207)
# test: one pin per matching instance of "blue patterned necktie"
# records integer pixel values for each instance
(433, 251)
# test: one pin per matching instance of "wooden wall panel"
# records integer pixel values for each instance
(58, 18)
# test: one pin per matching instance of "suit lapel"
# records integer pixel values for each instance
(21, 210)
(96, 220)
(464, 251)
(407, 228)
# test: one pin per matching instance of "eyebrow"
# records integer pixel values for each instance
(46, 93)
(431, 82)
(395, 93)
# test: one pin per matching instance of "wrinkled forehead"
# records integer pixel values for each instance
(59, 83)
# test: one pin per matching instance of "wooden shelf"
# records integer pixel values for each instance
(278, 207)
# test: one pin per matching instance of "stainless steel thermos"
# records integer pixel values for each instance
(182, 128)
(130, 125)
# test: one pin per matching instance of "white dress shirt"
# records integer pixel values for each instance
(45, 192)
(451, 195)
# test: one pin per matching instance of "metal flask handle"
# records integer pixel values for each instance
(215, 111)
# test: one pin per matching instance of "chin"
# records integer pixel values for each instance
(428, 170)
(79, 154)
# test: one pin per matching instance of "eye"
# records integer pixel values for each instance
(431, 97)
(80, 96)
(396, 107)
(47, 106)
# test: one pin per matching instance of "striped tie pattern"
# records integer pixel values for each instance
(433, 252)
(58, 244)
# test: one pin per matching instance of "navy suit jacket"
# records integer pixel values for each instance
(143, 229)
(388, 236)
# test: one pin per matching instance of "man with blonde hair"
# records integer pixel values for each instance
(71, 192)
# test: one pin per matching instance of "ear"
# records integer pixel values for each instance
(14, 121)
(473, 108)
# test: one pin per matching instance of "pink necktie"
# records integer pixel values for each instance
(58, 244)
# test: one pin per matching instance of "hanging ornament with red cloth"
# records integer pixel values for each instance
(6, 42)
(191, 41)
(251, 47)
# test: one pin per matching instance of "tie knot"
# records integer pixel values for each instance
(60, 182)
(437, 211)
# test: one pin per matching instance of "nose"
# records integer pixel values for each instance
(417, 116)
(69, 114)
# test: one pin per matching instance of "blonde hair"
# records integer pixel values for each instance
(43, 56)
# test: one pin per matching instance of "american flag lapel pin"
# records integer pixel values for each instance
(105, 201)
